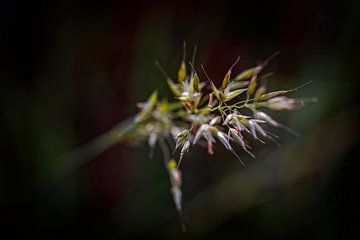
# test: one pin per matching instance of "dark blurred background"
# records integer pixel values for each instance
(71, 70)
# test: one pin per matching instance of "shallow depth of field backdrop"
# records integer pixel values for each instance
(70, 70)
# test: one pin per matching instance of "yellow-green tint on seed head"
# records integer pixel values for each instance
(243, 121)
(267, 96)
(234, 94)
(172, 164)
(261, 90)
(215, 90)
(174, 88)
(248, 73)
(252, 85)
(182, 72)
(163, 106)
(152, 99)
(195, 82)
(226, 80)
(148, 107)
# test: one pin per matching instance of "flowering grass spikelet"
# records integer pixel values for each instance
(205, 114)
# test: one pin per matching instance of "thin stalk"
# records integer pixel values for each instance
(63, 166)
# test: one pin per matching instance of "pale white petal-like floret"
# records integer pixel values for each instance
(265, 117)
(222, 137)
(228, 118)
(198, 134)
(184, 149)
(215, 120)
(282, 103)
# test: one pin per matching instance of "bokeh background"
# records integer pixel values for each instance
(71, 70)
